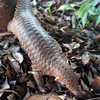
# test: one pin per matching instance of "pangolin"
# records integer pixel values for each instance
(44, 51)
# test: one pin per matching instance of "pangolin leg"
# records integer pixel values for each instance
(39, 80)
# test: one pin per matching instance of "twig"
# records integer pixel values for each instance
(50, 93)
(2, 34)
(98, 98)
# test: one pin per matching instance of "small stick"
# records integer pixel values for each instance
(2, 34)
(50, 93)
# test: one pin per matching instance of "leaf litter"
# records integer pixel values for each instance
(80, 47)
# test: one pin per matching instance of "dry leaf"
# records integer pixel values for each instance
(11, 58)
(8, 73)
(89, 77)
(27, 95)
(13, 49)
(52, 18)
(63, 96)
(30, 84)
(98, 37)
(90, 34)
(95, 58)
(5, 86)
(11, 97)
(85, 87)
(18, 56)
(72, 45)
(44, 97)
(85, 58)
(96, 82)
(94, 70)
(21, 91)
(14, 64)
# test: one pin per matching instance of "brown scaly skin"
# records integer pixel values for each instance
(6, 13)
(43, 50)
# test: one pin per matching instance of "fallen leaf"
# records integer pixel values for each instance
(94, 70)
(95, 58)
(5, 86)
(11, 58)
(71, 46)
(85, 58)
(63, 96)
(85, 87)
(19, 57)
(11, 97)
(90, 78)
(30, 84)
(96, 82)
(44, 97)
(10, 91)
(2, 75)
(98, 37)
(27, 95)
(8, 73)
(89, 34)
(13, 49)
(14, 64)
(21, 91)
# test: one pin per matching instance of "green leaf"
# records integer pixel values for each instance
(96, 2)
(84, 9)
(81, 12)
(48, 9)
(66, 7)
(93, 11)
(98, 8)
(84, 18)
(98, 20)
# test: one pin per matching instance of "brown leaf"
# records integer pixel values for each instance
(95, 58)
(21, 91)
(24, 77)
(96, 82)
(30, 84)
(51, 19)
(44, 97)
(11, 97)
(8, 73)
(98, 37)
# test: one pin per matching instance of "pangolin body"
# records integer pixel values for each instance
(44, 52)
